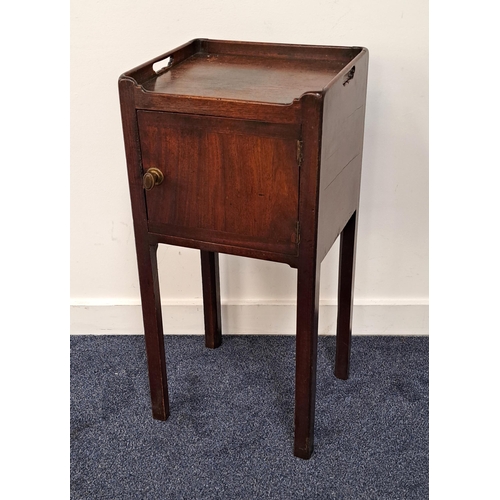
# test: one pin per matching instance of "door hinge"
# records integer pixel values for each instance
(300, 156)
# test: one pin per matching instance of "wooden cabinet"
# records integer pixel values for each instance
(250, 149)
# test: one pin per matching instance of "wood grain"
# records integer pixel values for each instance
(258, 81)
(234, 178)
(341, 150)
(212, 106)
(245, 77)
(215, 246)
(281, 50)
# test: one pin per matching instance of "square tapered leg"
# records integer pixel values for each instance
(345, 298)
(306, 355)
(153, 329)
(211, 298)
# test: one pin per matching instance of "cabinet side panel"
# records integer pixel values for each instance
(341, 152)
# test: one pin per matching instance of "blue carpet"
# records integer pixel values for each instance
(230, 432)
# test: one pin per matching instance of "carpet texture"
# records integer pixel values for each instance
(230, 432)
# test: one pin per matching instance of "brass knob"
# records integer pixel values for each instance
(153, 177)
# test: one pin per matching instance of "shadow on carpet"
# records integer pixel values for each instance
(230, 432)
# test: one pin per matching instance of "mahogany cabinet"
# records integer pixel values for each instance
(250, 149)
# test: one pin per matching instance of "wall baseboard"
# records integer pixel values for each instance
(268, 318)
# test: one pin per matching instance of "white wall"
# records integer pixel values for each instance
(108, 38)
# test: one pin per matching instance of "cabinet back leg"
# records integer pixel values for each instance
(211, 298)
(345, 298)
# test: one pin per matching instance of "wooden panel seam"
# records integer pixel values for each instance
(343, 168)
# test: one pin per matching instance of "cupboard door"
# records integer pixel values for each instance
(225, 180)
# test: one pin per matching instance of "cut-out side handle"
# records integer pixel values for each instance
(163, 65)
(349, 76)
(145, 71)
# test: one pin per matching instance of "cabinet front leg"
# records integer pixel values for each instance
(153, 330)
(306, 355)
(211, 298)
(345, 298)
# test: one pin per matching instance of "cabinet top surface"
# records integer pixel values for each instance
(251, 72)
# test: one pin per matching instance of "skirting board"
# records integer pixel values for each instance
(253, 318)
